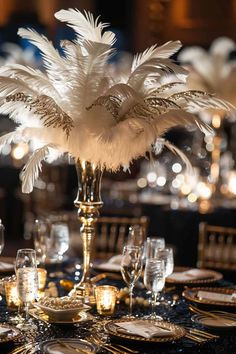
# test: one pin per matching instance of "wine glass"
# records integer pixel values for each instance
(27, 282)
(131, 268)
(153, 245)
(154, 280)
(41, 241)
(166, 255)
(135, 236)
(59, 240)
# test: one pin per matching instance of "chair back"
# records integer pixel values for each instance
(112, 233)
(216, 247)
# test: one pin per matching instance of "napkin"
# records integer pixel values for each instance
(144, 329)
(191, 274)
(208, 295)
(4, 331)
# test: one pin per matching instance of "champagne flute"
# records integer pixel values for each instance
(27, 282)
(41, 241)
(131, 268)
(59, 239)
(154, 280)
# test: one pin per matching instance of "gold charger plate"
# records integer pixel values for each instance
(215, 277)
(14, 333)
(191, 295)
(42, 316)
(177, 332)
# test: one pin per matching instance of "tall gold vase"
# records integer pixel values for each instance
(88, 202)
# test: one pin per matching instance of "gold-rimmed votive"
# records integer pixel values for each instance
(11, 293)
(42, 278)
(106, 299)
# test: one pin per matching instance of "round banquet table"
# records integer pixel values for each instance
(178, 314)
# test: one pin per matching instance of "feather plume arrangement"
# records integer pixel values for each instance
(78, 107)
(212, 71)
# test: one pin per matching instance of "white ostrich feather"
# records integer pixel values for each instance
(211, 71)
(31, 170)
(79, 107)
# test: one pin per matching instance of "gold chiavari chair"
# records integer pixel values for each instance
(217, 247)
(112, 233)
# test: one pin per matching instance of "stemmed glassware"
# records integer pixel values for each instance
(166, 255)
(27, 282)
(59, 239)
(151, 246)
(41, 241)
(131, 268)
(154, 280)
(135, 236)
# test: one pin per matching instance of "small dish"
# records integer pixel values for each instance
(62, 314)
(42, 316)
(67, 345)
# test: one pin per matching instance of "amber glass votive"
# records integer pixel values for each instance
(105, 299)
(42, 278)
(11, 293)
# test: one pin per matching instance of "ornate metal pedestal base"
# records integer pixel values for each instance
(88, 202)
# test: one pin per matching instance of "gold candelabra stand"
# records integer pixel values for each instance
(88, 202)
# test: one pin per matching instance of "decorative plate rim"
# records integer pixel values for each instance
(196, 316)
(218, 276)
(226, 291)
(170, 338)
(84, 341)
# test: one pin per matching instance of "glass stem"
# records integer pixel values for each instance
(154, 303)
(26, 311)
(131, 299)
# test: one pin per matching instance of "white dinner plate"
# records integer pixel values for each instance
(66, 345)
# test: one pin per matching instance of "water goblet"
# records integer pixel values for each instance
(166, 255)
(27, 282)
(131, 268)
(154, 280)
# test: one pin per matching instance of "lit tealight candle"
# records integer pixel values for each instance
(106, 299)
(42, 277)
(12, 298)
